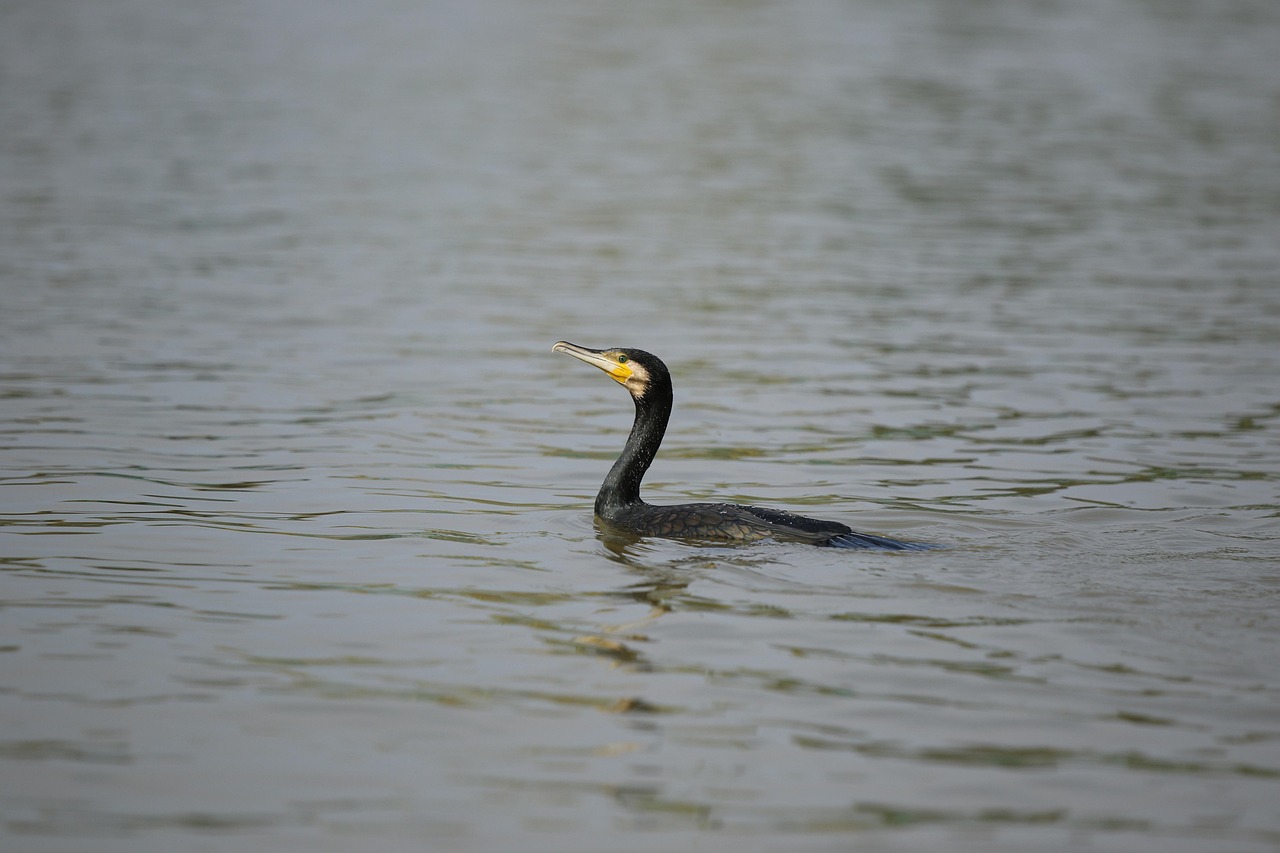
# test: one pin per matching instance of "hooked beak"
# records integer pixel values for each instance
(606, 360)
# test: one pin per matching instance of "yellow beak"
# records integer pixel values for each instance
(606, 360)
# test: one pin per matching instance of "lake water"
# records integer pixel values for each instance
(297, 544)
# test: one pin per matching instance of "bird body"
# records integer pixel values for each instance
(619, 505)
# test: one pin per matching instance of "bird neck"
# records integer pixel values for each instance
(622, 485)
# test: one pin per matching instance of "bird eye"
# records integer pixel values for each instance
(622, 359)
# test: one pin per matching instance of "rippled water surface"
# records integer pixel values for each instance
(297, 544)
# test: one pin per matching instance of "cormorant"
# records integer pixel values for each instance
(619, 505)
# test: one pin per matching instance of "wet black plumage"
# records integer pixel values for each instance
(619, 504)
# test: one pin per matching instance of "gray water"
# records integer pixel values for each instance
(297, 545)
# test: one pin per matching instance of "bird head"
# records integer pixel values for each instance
(635, 370)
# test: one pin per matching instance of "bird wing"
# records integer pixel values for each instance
(833, 533)
(733, 523)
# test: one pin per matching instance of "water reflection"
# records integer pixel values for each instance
(295, 510)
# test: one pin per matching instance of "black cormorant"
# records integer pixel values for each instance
(619, 505)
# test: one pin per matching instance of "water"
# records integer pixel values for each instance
(296, 499)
